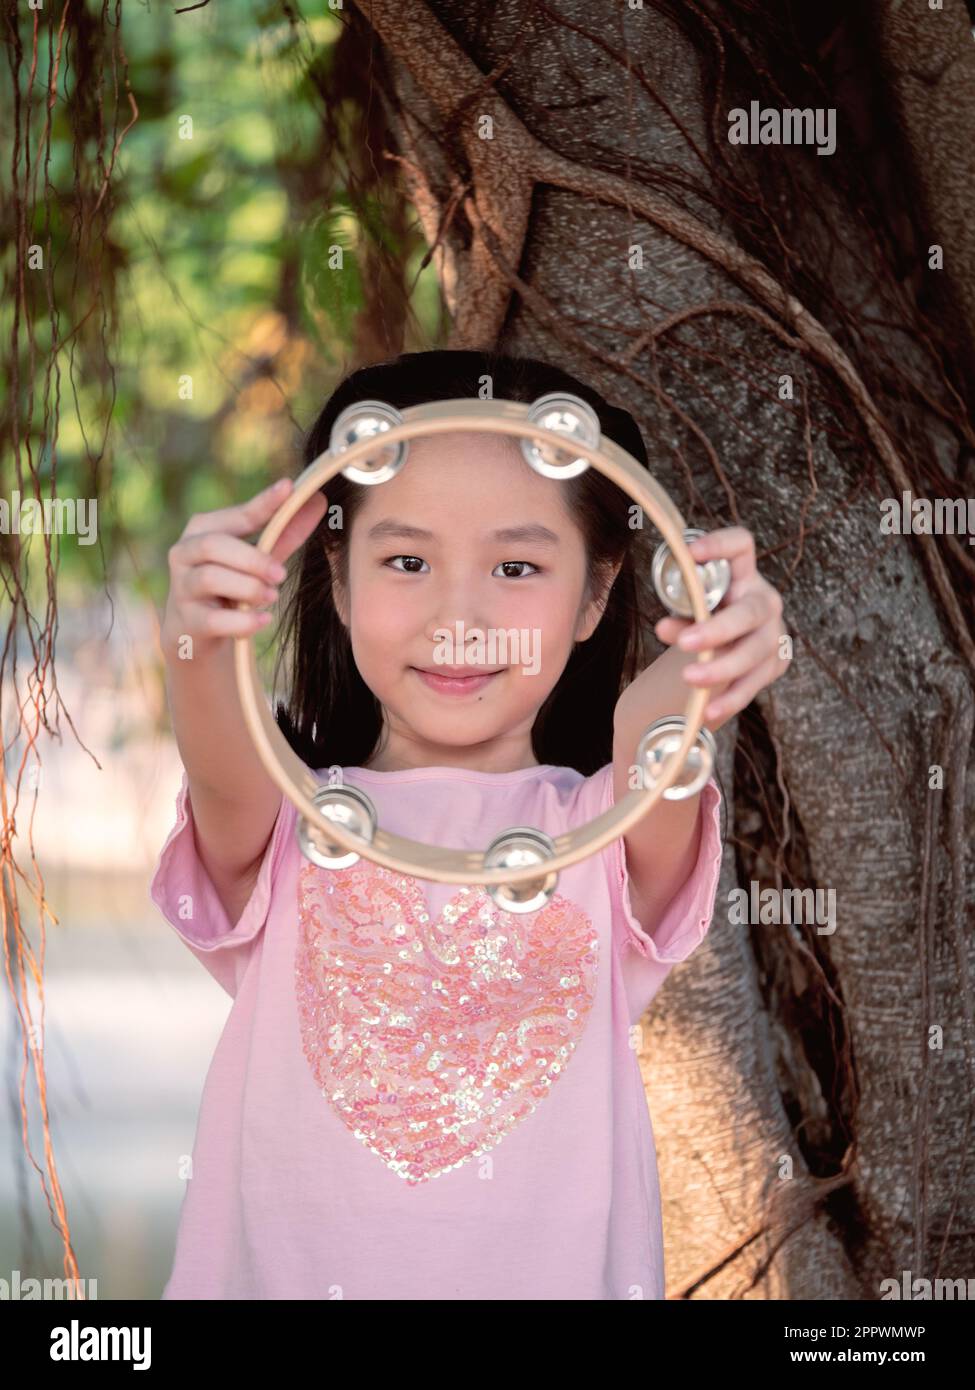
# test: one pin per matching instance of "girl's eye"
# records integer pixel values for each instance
(505, 564)
(411, 560)
(407, 557)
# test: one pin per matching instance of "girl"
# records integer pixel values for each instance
(416, 1094)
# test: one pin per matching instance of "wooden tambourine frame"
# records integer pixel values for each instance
(466, 866)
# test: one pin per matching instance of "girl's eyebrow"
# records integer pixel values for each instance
(532, 532)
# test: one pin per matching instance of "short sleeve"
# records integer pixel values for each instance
(183, 891)
(686, 919)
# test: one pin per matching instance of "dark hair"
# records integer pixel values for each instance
(332, 717)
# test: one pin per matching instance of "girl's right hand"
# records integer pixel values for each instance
(211, 565)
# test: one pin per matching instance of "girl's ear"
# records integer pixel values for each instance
(339, 595)
(594, 609)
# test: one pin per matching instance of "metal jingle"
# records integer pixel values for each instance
(660, 742)
(513, 849)
(715, 576)
(346, 806)
(362, 420)
(569, 415)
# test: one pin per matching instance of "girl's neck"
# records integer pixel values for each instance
(384, 763)
(399, 755)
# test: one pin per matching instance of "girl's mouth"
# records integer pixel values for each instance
(455, 685)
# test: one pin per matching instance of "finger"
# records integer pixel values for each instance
(244, 518)
(300, 527)
(748, 612)
(217, 547)
(210, 581)
(742, 692)
(226, 622)
(736, 544)
(669, 629)
(748, 654)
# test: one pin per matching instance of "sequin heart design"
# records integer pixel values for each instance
(433, 1039)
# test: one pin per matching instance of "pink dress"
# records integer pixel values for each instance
(417, 1095)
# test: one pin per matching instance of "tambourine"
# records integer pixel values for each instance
(559, 436)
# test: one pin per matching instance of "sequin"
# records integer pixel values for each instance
(433, 1038)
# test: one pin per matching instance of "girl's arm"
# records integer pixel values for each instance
(234, 801)
(745, 631)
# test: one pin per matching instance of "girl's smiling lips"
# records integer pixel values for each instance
(454, 680)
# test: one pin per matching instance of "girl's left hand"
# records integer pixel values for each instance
(745, 630)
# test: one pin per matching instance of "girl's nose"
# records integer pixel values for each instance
(460, 630)
(457, 604)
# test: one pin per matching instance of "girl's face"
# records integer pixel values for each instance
(432, 575)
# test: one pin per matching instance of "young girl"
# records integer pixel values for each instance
(418, 1095)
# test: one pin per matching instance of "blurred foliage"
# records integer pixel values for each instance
(220, 322)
